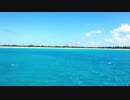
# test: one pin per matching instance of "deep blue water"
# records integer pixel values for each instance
(64, 67)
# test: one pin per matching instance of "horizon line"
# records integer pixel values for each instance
(64, 46)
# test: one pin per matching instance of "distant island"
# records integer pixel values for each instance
(109, 47)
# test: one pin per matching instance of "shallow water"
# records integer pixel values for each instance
(64, 67)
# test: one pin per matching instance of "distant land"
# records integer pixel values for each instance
(111, 47)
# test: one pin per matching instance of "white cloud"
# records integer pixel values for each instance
(97, 31)
(108, 40)
(75, 42)
(93, 32)
(116, 33)
(123, 28)
(94, 44)
(117, 39)
(88, 34)
(78, 42)
(128, 37)
(54, 41)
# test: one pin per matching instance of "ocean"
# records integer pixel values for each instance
(64, 67)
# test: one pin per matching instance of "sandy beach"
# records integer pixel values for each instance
(65, 48)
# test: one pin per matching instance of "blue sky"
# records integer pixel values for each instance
(65, 28)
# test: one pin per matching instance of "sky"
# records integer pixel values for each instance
(65, 28)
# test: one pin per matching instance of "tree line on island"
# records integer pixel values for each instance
(112, 47)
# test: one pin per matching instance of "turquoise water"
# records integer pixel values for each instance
(64, 67)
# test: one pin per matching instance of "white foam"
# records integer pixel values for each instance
(109, 62)
(12, 64)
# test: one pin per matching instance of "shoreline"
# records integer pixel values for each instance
(67, 48)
